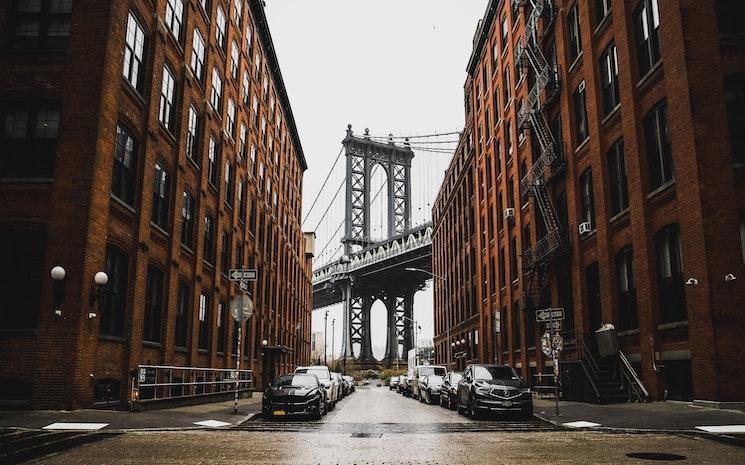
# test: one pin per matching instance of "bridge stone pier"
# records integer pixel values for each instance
(374, 269)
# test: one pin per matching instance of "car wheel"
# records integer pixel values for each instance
(461, 410)
(319, 411)
(268, 416)
(472, 412)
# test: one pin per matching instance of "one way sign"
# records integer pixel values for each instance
(242, 275)
(549, 314)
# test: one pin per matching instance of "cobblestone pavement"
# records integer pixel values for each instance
(377, 426)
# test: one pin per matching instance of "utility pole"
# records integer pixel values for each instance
(325, 330)
(333, 321)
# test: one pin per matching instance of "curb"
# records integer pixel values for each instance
(723, 438)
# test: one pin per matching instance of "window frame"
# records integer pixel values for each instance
(134, 67)
(617, 178)
(161, 196)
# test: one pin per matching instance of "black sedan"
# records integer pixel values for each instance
(295, 394)
(449, 392)
(493, 388)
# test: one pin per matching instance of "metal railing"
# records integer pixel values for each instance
(156, 382)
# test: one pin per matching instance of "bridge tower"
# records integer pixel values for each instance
(362, 154)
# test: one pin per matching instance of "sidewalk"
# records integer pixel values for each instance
(668, 416)
(210, 415)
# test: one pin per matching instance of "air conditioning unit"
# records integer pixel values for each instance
(509, 213)
(584, 228)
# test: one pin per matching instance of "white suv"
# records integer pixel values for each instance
(421, 371)
(329, 383)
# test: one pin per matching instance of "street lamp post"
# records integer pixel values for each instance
(325, 330)
(333, 322)
(447, 329)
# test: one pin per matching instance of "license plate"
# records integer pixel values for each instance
(279, 412)
(507, 403)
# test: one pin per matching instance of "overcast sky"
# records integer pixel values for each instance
(394, 66)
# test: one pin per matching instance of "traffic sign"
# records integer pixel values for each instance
(553, 325)
(549, 314)
(552, 345)
(241, 307)
(243, 286)
(240, 274)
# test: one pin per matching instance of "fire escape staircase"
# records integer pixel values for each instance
(537, 260)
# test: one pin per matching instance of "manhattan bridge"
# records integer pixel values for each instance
(377, 237)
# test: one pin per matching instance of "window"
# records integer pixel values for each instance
(580, 114)
(28, 141)
(506, 86)
(628, 317)
(161, 197)
(742, 234)
(167, 93)
(174, 17)
(513, 259)
(41, 24)
(246, 83)
(206, 4)
(670, 285)
(188, 211)
(209, 239)
(204, 321)
(221, 326)
(619, 194)
(216, 94)
(647, 21)
(230, 120)
(229, 183)
(502, 269)
(242, 200)
(609, 79)
(508, 140)
(588, 202)
(242, 141)
(134, 49)
(593, 296)
(731, 16)
(125, 166)
(602, 8)
(225, 253)
(238, 11)
(182, 315)
(212, 158)
(192, 135)
(220, 29)
(575, 37)
(22, 254)
(153, 305)
(734, 91)
(197, 55)
(114, 300)
(234, 55)
(658, 145)
(517, 341)
(505, 29)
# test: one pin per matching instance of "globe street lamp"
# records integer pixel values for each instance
(58, 289)
(101, 279)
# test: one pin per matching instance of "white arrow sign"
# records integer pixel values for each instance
(549, 314)
(242, 275)
(553, 324)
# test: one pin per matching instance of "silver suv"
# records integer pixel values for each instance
(329, 382)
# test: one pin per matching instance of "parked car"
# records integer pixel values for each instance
(339, 382)
(449, 391)
(430, 389)
(493, 388)
(421, 371)
(328, 382)
(294, 394)
(351, 382)
(404, 385)
(393, 383)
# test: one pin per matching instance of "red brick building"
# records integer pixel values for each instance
(153, 141)
(609, 179)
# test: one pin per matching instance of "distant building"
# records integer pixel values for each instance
(316, 347)
(602, 170)
(155, 142)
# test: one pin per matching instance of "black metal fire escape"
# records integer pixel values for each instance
(535, 183)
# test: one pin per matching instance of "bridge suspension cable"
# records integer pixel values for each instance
(320, 191)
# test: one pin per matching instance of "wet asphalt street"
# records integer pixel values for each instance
(378, 426)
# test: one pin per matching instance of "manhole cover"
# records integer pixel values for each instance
(366, 435)
(661, 456)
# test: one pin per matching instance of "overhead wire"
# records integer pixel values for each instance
(322, 186)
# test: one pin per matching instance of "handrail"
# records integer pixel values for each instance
(157, 382)
(626, 365)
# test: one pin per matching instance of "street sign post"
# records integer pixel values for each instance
(240, 274)
(241, 308)
(551, 342)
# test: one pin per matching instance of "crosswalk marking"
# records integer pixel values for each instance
(581, 424)
(723, 428)
(211, 423)
(76, 426)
